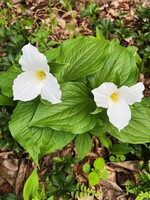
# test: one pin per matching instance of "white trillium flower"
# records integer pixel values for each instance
(36, 79)
(117, 101)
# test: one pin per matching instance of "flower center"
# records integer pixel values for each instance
(115, 97)
(40, 74)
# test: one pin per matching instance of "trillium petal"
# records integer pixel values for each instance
(32, 59)
(26, 86)
(119, 113)
(102, 94)
(51, 89)
(132, 94)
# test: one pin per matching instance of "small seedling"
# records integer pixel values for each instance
(97, 172)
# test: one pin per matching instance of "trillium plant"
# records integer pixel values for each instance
(35, 79)
(83, 87)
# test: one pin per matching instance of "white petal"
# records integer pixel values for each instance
(32, 59)
(51, 89)
(102, 94)
(119, 113)
(26, 86)
(132, 94)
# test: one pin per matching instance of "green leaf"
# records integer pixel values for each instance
(104, 174)
(37, 141)
(93, 178)
(6, 80)
(98, 110)
(99, 34)
(118, 62)
(8, 196)
(106, 142)
(99, 163)
(83, 56)
(83, 144)
(52, 54)
(72, 115)
(120, 149)
(5, 101)
(31, 186)
(99, 129)
(86, 168)
(137, 132)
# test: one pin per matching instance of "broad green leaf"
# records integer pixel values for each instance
(72, 115)
(118, 62)
(83, 56)
(37, 141)
(138, 130)
(93, 178)
(52, 54)
(120, 149)
(99, 163)
(56, 67)
(83, 144)
(5, 101)
(6, 80)
(31, 186)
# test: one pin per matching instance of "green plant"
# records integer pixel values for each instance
(119, 151)
(83, 191)
(67, 4)
(142, 12)
(97, 172)
(13, 34)
(6, 140)
(105, 25)
(31, 186)
(8, 196)
(91, 11)
(143, 184)
(79, 65)
(143, 196)
(60, 181)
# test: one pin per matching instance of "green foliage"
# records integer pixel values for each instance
(13, 34)
(117, 158)
(83, 191)
(6, 140)
(97, 172)
(67, 4)
(43, 140)
(120, 149)
(143, 184)
(60, 181)
(140, 33)
(83, 144)
(80, 65)
(143, 196)
(86, 168)
(135, 131)
(142, 12)
(31, 186)
(8, 196)
(90, 10)
(67, 116)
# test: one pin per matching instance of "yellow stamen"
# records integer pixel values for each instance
(115, 97)
(40, 74)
